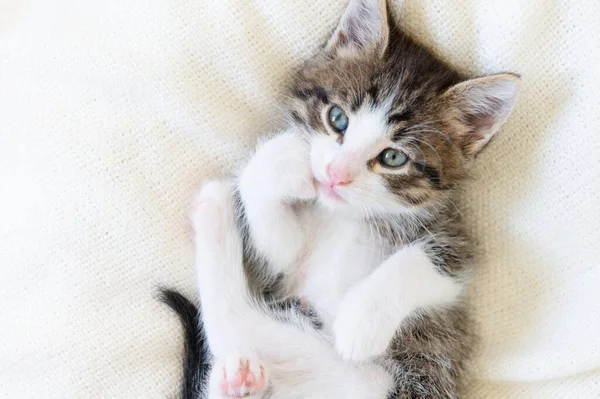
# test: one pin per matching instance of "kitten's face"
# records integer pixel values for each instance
(391, 127)
(372, 149)
(372, 165)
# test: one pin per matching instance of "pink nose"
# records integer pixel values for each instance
(338, 176)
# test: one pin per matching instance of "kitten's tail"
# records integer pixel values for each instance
(196, 358)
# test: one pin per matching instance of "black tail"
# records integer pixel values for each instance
(196, 358)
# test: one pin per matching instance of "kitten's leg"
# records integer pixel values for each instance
(254, 351)
(373, 310)
(279, 172)
(238, 371)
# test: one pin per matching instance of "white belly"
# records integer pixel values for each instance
(341, 255)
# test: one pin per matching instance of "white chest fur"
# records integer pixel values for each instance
(341, 254)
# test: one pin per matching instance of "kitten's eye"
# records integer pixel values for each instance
(392, 158)
(338, 119)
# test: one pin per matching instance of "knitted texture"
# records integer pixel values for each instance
(113, 112)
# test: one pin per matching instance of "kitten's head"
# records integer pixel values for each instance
(392, 128)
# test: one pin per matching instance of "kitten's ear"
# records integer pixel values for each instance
(479, 107)
(363, 29)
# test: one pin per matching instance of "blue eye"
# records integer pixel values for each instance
(338, 119)
(392, 158)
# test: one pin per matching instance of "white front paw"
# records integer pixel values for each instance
(280, 169)
(362, 330)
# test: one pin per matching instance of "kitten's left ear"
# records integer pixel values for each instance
(363, 29)
(478, 107)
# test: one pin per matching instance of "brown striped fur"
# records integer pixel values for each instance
(435, 118)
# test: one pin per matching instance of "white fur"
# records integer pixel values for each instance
(279, 171)
(341, 254)
(299, 364)
(216, 239)
(373, 310)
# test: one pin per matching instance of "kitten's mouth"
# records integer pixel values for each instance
(329, 191)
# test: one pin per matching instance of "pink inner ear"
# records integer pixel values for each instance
(480, 124)
(484, 104)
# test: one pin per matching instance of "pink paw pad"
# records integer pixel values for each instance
(244, 379)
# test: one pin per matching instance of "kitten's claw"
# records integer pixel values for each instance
(240, 376)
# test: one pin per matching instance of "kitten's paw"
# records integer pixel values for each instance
(211, 207)
(240, 376)
(356, 345)
(361, 331)
(280, 169)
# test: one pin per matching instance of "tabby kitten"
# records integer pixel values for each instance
(346, 223)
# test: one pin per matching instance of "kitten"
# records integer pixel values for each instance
(356, 262)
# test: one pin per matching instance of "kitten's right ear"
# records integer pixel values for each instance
(480, 106)
(363, 29)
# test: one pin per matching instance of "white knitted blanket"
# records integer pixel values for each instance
(112, 112)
